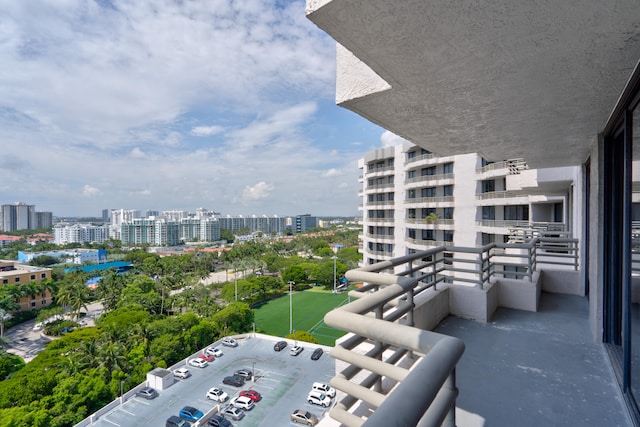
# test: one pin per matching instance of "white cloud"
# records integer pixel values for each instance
(90, 191)
(390, 139)
(206, 130)
(137, 153)
(261, 190)
(332, 172)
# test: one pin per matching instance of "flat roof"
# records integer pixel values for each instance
(283, 381)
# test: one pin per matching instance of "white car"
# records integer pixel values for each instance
(229, 342)
(324, 388)
(198, 363)
(295, 350)
(217, 394)
(319, 398)
(242, 402)
(182, 373)
(213, 351)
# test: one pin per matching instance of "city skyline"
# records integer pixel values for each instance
(159, 104)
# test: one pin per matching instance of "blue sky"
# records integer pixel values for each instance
(166, 104)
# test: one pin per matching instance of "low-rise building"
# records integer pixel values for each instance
(14, 273)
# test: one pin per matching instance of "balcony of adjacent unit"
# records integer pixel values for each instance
(501, 169)
(382, 167)
(418, 155)
(430, 218)
(379, 216)
(433, 175)
(467, 327)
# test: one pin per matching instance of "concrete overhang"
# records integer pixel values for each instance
(532, 79)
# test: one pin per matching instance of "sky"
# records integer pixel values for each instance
(175, 105)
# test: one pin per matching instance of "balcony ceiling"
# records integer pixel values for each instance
(532, 79)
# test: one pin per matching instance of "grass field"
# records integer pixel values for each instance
(309, 308)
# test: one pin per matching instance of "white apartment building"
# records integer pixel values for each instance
(413, 200)
(80, 233)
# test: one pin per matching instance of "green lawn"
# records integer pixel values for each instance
(309, 308)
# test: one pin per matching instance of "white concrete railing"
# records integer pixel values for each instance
(381, 382)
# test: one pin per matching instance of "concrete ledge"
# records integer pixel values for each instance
(471, 302)
(431, 307)
(519, 294)
(562, 282)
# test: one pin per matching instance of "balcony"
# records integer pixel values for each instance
(534, 364)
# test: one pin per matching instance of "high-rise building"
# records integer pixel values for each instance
(18, 216)
(413, 200)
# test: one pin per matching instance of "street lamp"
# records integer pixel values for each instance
(235, 276)
(334, 273)
(291, 306)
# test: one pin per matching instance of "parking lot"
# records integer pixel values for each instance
(283, 380)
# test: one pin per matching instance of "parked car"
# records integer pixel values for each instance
(207, 357)
(198, 363)
(319, 398)
(234, 380)
(174, 421)
(304, 417)
(296, 350)
(316, 354)
(242, 402)
(244, 373)
(182, 373)
(324, 388)
(147, 393)
(213, 351)
(232, 412)
(229, 342)
(190, 413)
(217, 394)
(251, 394)
(218, 421)
(280, 345)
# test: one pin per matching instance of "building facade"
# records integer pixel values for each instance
(80, 233)
(14, 273)
(556, 87)
(413, 200)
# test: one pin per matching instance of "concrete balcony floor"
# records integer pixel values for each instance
(535, 369)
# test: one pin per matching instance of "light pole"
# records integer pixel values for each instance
(334, 273)
(291, 306)
(235, 276)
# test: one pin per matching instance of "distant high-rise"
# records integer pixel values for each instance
(18, 216)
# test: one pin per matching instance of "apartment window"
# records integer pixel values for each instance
(428, 192)
(488, 186)
(488, 238)
(390, 231)
(448, 190)
(390, 197)
(411, 154)
(516, 272)
(33, 303)
(411, 194)
(411, 174)
(370, 246)
(447, 168)
(489, 213)
(380, 197)
(371, 229)
(516, 213)
(389, 248)
(33, 277)
(5, 281)
(390, 161)
(428, 235)
(17, 280)
(447, 213)
(448, 258)
(379, 247)
(380, 214)
(411, 233)
(428, 171)
(411, 213)
(370, 197)
(447, 235)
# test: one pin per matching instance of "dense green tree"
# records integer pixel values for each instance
(302, 336)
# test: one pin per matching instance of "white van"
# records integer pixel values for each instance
(324, 388)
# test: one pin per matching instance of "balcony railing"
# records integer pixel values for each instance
(427, 200)
(423, 178)
(388, 358)
(419, 158)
